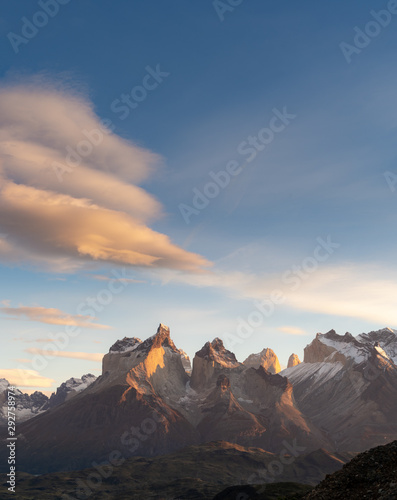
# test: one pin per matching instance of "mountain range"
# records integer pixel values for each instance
(150, 402)
(30, 405)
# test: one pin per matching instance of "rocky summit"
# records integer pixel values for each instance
(347, 386)
(266, 358)
(293, 360)
(341, 398)
(30, 405)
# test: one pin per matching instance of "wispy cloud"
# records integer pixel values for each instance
(66, 354)
(51, 316)
(98, 212)
(102, 277)
(25, 378)
(31, 341)
(362, 291)
(291, 330)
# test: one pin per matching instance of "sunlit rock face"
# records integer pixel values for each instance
(144, 385)
(266, 358)
(293, 360)
(334, 348)
(151, 367)
(209, 362)
(342, 397)
(131, 407)
(247, 405)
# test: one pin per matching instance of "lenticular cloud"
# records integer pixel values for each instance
(69, 189)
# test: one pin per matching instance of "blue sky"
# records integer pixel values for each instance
(321, 176)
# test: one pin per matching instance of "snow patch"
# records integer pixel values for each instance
(318, 373)
(125, 345)
(348, 349)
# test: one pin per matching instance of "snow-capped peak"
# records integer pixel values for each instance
(161, 338)
(347, 348)
(331, 347)
(125, 345)
(78, 384)
(386, 338)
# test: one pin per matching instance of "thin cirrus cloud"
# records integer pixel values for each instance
(101, 277)
(31, 341)
(97, 356)
(25, 378)
(51, 316)
(93, 212)
(291, 330)
(366, 291)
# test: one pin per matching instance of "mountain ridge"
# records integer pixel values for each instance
(144, 385)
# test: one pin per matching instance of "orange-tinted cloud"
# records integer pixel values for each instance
(51, 316)
(95, 211)
(291, 330)
(96, 356)
(25, 378)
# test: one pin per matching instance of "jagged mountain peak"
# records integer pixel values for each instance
(85, 380)
(215, 345)
(331, 347)
(266, 358)
(216, 351)
(388, 329)
(382, 334)
(323, 402)
(31, 405)
(70, 388)
(128, 353)
(293, 360)
(161, 338)
(26, 405)
(125, 345)
(332, 335)
(336, 337)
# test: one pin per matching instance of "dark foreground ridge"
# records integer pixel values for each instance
(270, 491)
(370, 475)
(194, 473)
